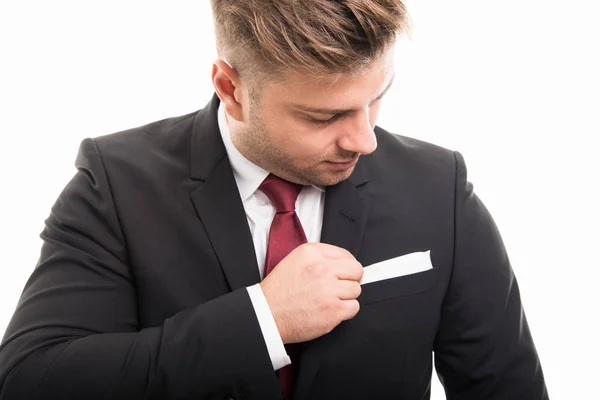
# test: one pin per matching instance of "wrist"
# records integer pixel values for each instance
(279, 323)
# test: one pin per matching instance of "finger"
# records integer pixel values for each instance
(349, 309)
(350, 270)
(348, 290)
(331, 251)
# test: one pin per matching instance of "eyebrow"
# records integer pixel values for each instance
(339, 111)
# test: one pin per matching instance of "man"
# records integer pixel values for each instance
(175, 264)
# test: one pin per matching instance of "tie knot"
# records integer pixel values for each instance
(282, 193)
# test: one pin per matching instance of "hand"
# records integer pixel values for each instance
(312, 290)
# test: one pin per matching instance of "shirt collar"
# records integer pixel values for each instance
(248, 175)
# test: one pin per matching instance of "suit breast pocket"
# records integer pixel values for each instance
(398, 287)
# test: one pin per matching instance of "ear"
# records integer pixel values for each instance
(227, 86)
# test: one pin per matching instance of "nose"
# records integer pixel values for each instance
(359, 136)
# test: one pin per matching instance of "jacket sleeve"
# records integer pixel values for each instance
(75, 332)
(483, 349)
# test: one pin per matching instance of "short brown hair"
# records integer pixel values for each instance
(265, 38)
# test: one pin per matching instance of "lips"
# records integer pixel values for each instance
(350, 161)
(341, 165)
(342, 162)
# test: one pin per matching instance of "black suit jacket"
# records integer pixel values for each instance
(139, 292)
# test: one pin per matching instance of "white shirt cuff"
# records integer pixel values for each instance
(268, 327)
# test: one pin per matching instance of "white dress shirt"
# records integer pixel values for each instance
(260, 213)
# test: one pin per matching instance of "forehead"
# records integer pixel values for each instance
(339, 90)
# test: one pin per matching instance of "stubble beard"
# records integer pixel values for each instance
(257, 147)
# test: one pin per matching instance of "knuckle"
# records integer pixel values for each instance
(303, 249)
(308, 245)
(324, 306)
(327, 328)
(330, 306)
(315, 269)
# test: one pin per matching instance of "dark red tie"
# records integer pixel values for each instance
(286, 234)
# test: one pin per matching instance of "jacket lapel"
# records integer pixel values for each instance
(218, 203)
(346, 211)
(344, 222)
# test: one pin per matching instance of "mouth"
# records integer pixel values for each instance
(342, 165)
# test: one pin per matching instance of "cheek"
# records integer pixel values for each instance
(315, 146)
(305, 144)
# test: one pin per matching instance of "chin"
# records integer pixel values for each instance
(314, 177)
(332, 178)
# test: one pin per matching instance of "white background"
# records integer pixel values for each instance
(512, 85)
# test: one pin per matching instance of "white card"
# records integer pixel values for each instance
(398, 266)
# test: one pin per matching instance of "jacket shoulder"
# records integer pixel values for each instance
(158, 133)
(143, 146)
(406, 155)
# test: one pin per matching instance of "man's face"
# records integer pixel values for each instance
(313, 132)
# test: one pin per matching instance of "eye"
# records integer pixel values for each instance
(322, 121)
